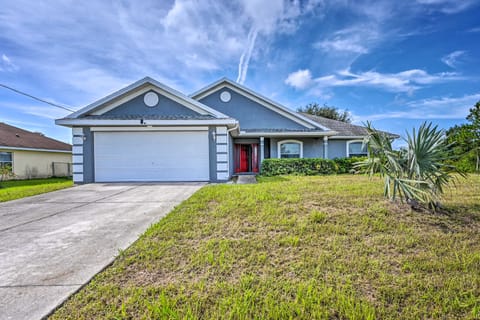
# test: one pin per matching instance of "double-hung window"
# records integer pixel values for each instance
(6, 159)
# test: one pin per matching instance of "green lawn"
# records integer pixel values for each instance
(296, 248)
(16, 189)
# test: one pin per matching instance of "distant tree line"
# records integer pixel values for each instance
(464, 140)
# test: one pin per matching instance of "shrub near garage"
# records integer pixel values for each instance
(307, 166)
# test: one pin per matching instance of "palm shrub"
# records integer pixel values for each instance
(418, 173)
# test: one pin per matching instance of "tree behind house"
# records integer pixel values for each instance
(325, 111)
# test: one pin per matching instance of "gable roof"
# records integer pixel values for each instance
(343, 129)
(275, 106)
(143, 84)
(16, 138)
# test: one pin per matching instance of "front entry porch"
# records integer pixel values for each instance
(246, 158)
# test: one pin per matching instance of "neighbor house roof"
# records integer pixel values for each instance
(343, 129)
(16, 138)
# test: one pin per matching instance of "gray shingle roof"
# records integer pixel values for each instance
(343, 128)
(14, 137)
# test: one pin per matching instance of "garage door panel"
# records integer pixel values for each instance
(151, 156)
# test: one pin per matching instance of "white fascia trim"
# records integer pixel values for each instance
(109, 129)
(346, 137)
(266, 102)
(34, 149)
(279, 146)
(164, 90)
(285, 134)
(97, 122)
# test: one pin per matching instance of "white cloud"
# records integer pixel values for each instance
(405, 81)
(300, 79)
(6, 64)
(448, 6)
(354, 40)
(453, 58)
(433, 108)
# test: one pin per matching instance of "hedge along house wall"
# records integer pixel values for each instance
(307, 166)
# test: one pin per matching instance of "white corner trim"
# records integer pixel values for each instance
(348, 146)
(279, 144)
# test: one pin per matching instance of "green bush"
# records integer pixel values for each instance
(307, 166)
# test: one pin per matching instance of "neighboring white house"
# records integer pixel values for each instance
(33, 155)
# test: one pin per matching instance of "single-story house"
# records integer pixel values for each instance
(150, 132)
(33, 155)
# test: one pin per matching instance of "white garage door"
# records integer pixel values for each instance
(151, 156)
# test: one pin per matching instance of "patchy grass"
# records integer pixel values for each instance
(16, 189)
(296, 248)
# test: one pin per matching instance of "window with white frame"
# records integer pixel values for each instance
(356, 149)
(290, 149)
(6, 159)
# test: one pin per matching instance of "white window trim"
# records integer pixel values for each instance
(11, 157)
(279, 145)
(348, 146)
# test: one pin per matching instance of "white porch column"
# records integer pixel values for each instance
(262, 149)
(325, 147)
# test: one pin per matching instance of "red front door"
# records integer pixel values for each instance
(246, 158)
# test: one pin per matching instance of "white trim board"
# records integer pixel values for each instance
(149, 128)
(100, 122)
(285, 134)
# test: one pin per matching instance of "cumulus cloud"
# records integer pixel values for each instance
(300, 79)
(405, 81)
(453, 58)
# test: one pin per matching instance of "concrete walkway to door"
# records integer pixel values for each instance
(52, 244)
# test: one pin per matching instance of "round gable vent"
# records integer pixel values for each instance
(151, 99)
(225, 96)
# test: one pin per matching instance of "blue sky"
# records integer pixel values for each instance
(397, 63)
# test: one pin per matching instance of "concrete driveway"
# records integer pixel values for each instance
(52, 244)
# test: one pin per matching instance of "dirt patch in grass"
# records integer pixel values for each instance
(297, 247)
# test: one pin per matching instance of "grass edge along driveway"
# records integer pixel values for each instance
(299, 248)
(17, 189)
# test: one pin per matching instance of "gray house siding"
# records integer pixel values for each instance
(337, 149)
(312, 147)
(165, 107)
(250, 114)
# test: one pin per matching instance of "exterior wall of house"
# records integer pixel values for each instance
(165, 107)
(337, 148)
(312, 147)
(250, 114)
(38, 164)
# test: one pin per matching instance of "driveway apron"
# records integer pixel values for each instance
(54, 243)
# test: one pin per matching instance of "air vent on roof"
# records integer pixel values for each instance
(17, 135)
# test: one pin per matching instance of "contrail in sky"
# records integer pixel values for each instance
(245, 57)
